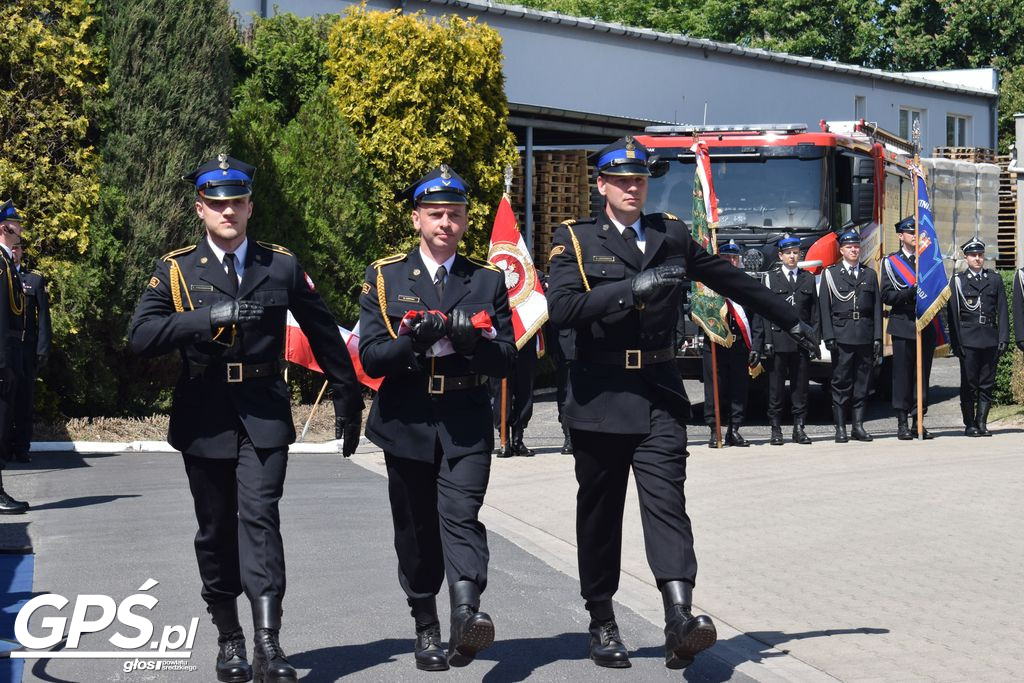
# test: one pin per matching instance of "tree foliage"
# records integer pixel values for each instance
(418, 92)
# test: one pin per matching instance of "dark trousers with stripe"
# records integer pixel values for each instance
(795, 366)
(9, 400)
(904, 369)
(733, 383)
(978, 375)
(851, 375)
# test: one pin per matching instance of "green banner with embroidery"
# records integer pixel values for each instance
(707, 307)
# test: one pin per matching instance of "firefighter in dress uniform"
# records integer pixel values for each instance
(618, 278)
(901, 297)
(221, 304)
(734, 365)
(851, 326)
(786, 358)
(979, 332)
(12, 333)
(35, 352)
(432, 413)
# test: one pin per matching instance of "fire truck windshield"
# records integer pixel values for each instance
(755, 193)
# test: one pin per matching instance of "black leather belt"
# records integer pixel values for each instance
(982, 319)
(630, 359)
(233, 372)
(851, 315)
(442, 384)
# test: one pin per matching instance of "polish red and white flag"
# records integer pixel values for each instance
(297, 350)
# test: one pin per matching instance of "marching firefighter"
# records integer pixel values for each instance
(851, 326)
(979, 333)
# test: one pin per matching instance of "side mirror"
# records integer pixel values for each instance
(658, 166)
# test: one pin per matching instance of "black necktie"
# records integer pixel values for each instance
(792, 278)
(229, 261)
(439, 281)
(629, 234)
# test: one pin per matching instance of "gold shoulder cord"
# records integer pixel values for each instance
(16, 308)
(382, 300)
(579, 257)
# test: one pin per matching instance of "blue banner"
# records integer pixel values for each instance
(932, 284)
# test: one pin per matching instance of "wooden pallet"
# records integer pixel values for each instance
(974, 154)
(1006, 230)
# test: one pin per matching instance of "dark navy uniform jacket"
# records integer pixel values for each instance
(173, 315)
(837, 317)
(903, 305)
(986, 326)
(12, 314)
(406, 420)
(601, 310)
(1018, 305)
(803, 299)
(38, 331)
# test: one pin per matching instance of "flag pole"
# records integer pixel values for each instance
(503, 430)
(713, 225)
(309, 419)
(917, 275)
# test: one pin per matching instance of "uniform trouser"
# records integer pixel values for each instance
(435, 508)
(21, 437)
(519, 391)
(796, 367)
(238, 545)
(8, 401)
(904, 369)
(851, 375)
(733, 381)
(978, 375)
(658, 461)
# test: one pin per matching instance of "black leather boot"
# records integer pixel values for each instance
(232, 665)
(776, 439)
(798, 432)
(925, 434)
(713, 440)
(428, 651)
(472, 630)
(567, 441)
(902, 430)
(519, 448)
(606, 648)
(858, 432)
(970, 425)
(269, 664)
(685, 634)
(734, 438)
(983, 408)
(840, 422)
(504, 451)
(8, 505)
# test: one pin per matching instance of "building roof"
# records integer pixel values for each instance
(931, 80)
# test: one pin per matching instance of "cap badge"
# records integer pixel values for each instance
(223, 159)
(445, 173)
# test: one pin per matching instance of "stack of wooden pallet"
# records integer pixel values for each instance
(1008, 208)
(976, 155)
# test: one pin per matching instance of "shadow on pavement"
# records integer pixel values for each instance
(84, 501)
(332, 663)
(518, 658)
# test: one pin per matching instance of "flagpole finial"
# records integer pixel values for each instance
(915, 136)
(508, 180)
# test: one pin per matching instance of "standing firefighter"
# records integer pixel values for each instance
(12, 332)
(788, 359)
(618, 278)
(435, 325)
(979, 332)
(35, 351)
(222, 304)
(851, 326)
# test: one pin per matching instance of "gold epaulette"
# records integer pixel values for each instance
(275, 247)
(177, 252)
(670, 216)
(578, 221)
(570, 221)
(482, 263)
(388, 260)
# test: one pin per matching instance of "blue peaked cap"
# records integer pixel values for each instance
(849, 237)
(223, 177)
(625, 156)
(441, 186)
(788, 242)
(8, 212)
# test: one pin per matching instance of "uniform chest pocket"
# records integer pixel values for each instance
(270, 297)
(606, 270)
(398, 309)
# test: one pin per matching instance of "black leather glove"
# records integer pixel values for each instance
(910, 294)
(831, 345)
(426, 330)
(649, 283)
(462, 334)
(876, 351)
(7, 379)
(805, 337)
(228, 313)
(753, 359)
(1001, 348)
(347, 426)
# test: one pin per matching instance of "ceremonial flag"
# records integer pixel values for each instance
(707, 308)
(932, 285)
(298, 351)
(525, 293)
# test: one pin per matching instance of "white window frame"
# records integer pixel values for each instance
(922, 121)
(964, 135)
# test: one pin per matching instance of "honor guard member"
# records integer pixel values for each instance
(979, 332)
(786, 358)
(221, 304)
(35, 352)
(12, 332)
(518, 402)
(901, 297)
(1018, 308)
(432, 413)
(851, 326)
(618, 279)
(734, 365)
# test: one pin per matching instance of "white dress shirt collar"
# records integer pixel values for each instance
(432, 265)
(240, 253)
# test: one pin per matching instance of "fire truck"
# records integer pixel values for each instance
(775, 179)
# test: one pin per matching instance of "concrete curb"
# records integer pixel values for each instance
(110, 447)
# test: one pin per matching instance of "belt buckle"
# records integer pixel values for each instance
(234, 373)
(982, 319)
(634, 359)
(855, 316)
(436, 385)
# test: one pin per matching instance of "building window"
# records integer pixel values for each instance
(860, 107)
(909, 117)
(956, 130)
